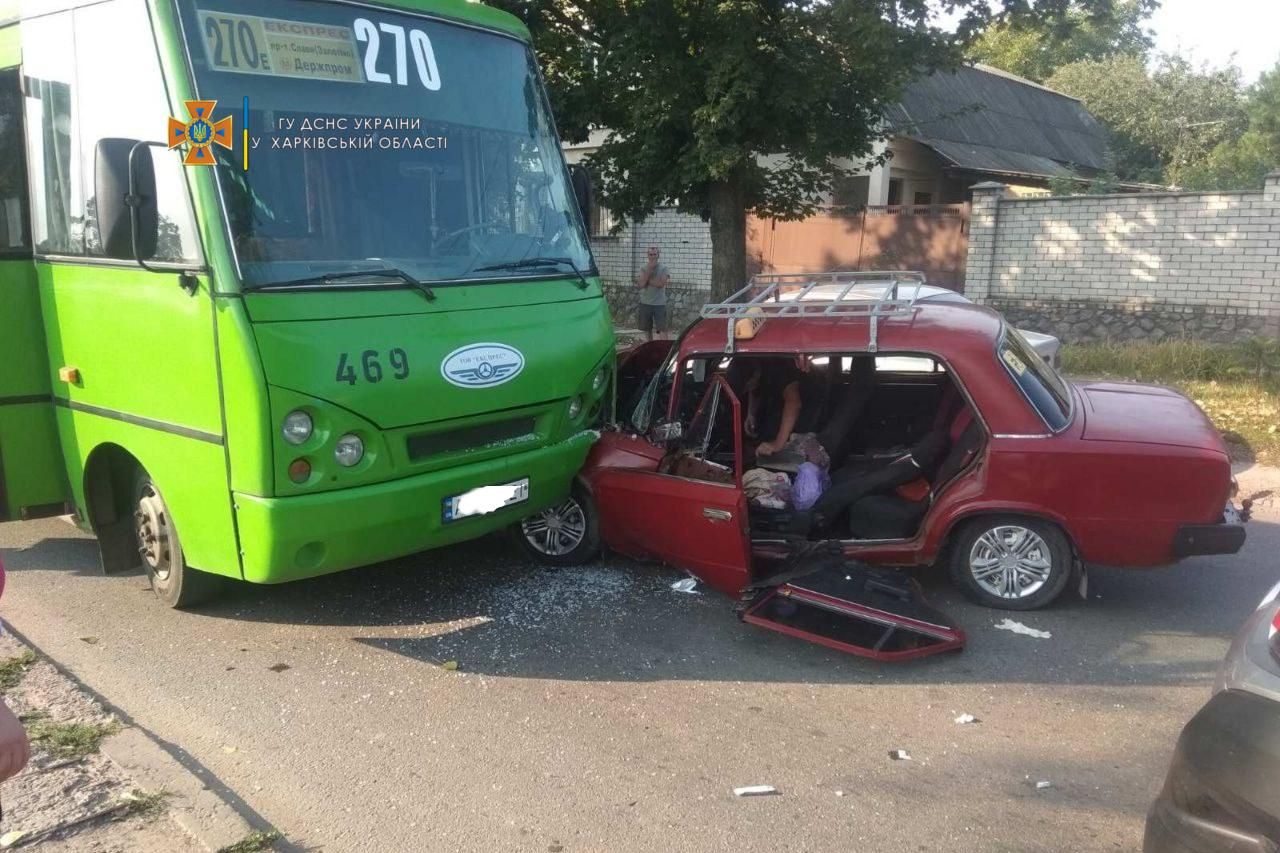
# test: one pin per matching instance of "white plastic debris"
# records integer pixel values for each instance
(1042, 784)
(755, 791)
(966, 719)
(899, 755)
(686, 585)
(11, 838)
(1019, 628)
(839, 793)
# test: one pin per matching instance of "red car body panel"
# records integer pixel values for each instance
(1134, 464)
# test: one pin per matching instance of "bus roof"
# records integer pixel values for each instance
(457, 10)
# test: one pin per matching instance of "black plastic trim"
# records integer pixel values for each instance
(137, 420)
(1196, 540)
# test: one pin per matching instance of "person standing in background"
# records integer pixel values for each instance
(651, 316)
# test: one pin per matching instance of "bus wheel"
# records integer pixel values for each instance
(567, 534)
(172, 580)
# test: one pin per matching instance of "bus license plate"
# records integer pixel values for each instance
(485, 499)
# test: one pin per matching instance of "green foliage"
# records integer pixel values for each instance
(1241, 163)
(1102, 184)
(1164, 123)
(66, 740)
(1166, 361)
(730, 106)
(255, 842)
(1036, 49)
(14, 669)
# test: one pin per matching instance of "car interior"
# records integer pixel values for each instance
(895, 427)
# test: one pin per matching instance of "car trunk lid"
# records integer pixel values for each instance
(1147, 414)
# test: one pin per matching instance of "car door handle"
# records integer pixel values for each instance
(716, 514)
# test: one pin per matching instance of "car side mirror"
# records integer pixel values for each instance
(124, 184)
(667, 431)
(583, 190)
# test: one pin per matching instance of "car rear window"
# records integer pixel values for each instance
(1041, 384)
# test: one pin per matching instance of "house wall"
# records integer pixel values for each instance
(1130, 267)
(685, 242)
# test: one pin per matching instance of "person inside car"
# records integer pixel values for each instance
(782, 398)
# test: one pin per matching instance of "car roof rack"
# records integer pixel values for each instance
(870, 294)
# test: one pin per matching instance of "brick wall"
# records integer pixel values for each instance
(685, 242)
(1130, 266)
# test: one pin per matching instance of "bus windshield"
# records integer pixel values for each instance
(380, 140)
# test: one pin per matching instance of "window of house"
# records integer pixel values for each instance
(850, 191)
(922, 199)
(15, 236)
(72, 103)
(602, 221)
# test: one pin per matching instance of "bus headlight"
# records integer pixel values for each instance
(575, 408)
(297, 427)
(597, 381)
(349, 450)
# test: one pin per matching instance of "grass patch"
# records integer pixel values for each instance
(66, 740)
(14, 669)
(1238, 385)
(255, 842)
(148, 803)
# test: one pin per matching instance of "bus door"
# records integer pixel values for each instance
(32, 479)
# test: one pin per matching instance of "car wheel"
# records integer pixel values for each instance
(567, 534)
(1011, 563)
(173, 581)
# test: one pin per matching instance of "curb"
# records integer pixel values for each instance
(206, 809)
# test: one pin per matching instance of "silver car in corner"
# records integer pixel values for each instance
(1222, 792)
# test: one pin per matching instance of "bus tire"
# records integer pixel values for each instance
(567, 534)
(172, 580)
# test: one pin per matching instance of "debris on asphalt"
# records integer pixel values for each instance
(755, 791)
(228, 749)
(1042, 784)
(1019, 628)
(280, 667)
(93, 641)
(686, 585)
(450, 665)
(966, 719)
(11, 838)
(899, 755)
(839, 793)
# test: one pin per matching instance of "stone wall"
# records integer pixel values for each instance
(1130, 267)
(683, 304)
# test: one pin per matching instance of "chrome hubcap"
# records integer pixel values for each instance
(556, 531)
(1010, 562)
(151, 522)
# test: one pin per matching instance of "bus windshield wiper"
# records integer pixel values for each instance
(538, 262)
(327, 278)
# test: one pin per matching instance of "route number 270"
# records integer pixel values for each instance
(371, 365)
(423, 55)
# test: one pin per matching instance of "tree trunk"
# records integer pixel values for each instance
(728, 237)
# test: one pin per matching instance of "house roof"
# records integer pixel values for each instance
(986, 120)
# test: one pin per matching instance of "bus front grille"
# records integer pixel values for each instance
(473, 437)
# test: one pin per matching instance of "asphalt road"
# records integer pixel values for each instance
(596, 709)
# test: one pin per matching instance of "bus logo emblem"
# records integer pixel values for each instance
(482, 365)
(200, 132)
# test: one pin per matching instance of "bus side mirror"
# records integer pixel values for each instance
(124, 184)
(583, 190)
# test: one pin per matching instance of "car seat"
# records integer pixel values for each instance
(889, 502)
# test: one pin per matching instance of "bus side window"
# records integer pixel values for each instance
(57, 201)
(130, 54)
(15, 236)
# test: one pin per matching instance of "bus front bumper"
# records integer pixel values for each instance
(285, 539)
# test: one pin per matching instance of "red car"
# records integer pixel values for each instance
(950, 442)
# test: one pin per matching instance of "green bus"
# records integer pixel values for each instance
(287, 286)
